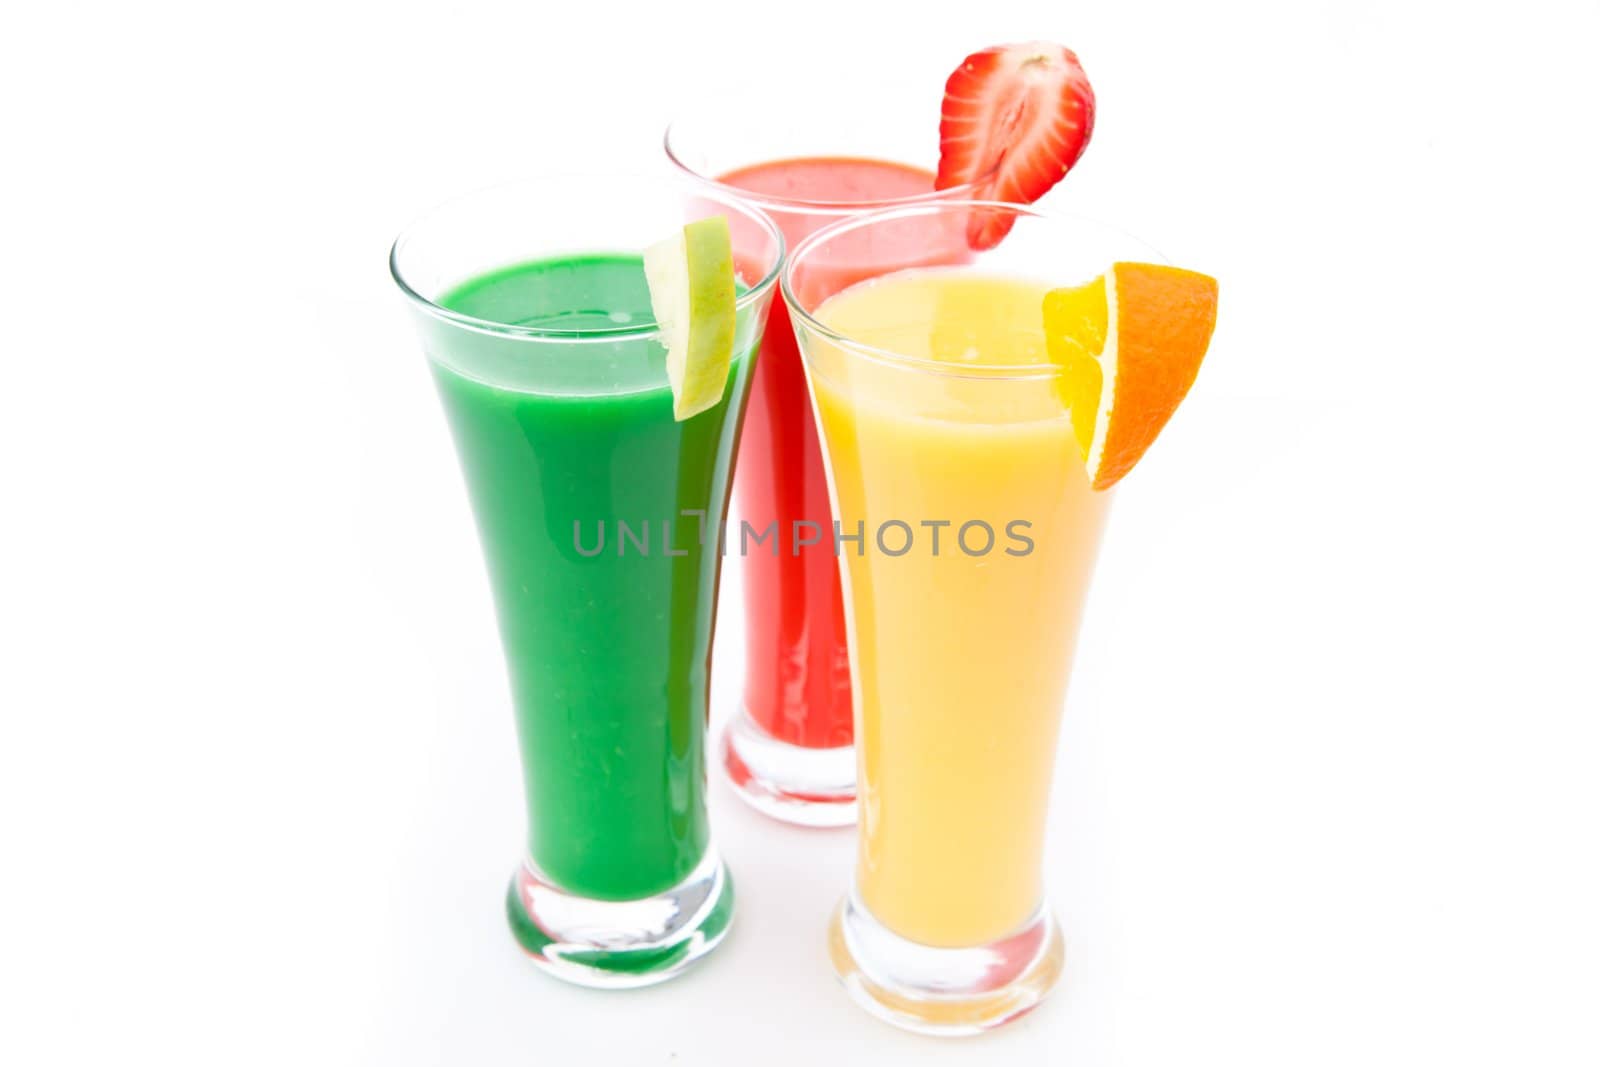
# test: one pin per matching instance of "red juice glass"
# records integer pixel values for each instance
(787, 749)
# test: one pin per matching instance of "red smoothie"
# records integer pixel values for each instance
(797, 682)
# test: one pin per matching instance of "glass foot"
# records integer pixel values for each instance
(804, 786)
(943, 991)
(620, 944)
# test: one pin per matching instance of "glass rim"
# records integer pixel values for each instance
(569, 334)
(888, 357)
(795, 205)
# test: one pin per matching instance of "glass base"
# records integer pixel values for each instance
(620, 944)
(948, 992)
(791, 783)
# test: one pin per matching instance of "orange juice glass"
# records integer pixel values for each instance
(950, 452)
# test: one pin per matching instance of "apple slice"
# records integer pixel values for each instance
(693, 295)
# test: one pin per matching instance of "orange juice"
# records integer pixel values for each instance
(953, 457)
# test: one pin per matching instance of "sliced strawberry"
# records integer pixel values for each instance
(1016, 118)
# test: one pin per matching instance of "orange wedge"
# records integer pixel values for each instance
(1129, 344)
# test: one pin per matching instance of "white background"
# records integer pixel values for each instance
(1328, 785)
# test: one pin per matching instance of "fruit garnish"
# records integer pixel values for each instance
(1129, 344)
(693, 295)
(1016, 118)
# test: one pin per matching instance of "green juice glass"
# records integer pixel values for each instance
(599, 517)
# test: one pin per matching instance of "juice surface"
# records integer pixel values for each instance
(608, 655)
(962, 659)
(832, 179)
(797, 680)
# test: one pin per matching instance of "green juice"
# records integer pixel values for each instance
(608, 651)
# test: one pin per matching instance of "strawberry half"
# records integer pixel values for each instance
(1016, 118)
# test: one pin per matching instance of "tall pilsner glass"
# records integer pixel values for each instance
(598, 515)
(972, 535)
(807, 159)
